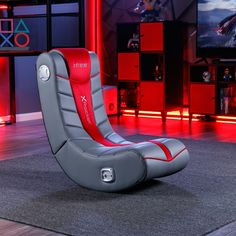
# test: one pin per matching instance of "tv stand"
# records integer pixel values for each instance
(203, 59)
(217, 95)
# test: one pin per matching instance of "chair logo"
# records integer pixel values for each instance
(85, 106)
(83, 98)
(11, 36)
(80, 65)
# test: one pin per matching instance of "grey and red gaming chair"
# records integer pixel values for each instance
(79, 132)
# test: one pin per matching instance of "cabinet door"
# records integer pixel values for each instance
(128, 66)
(152, 96)
(202, 98)
(151, 36)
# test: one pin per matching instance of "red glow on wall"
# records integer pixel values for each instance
(93, 28)
(99, 29)
(3, 7)
(90, 25)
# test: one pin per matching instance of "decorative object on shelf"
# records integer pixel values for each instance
(133, 43)
(123, 98)
(151, 12)
(206, 75)
(227, 76)
(222, 101)
(157, 73)
(226, 95)
(226, 105)
(19, 34)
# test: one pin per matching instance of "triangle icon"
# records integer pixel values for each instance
(21, 27)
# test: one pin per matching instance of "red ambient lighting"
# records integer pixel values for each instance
(3, 7)
(226, 118)
(175, 115)
(1, 121)
(93, 30)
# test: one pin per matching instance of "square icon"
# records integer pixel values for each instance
(3, 22)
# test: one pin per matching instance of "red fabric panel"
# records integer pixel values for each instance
(164, 149)
(151, 36)
(79, 65)
(202, 98)
(167, 160)
(131, 72)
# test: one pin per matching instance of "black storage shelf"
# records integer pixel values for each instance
(153, 64)
(128, 37)
(225, 91)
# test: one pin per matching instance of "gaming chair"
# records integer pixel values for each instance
(79, 132)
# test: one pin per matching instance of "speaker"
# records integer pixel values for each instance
(110, 99)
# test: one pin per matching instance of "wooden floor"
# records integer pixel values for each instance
(10, 228)
(198, 130)
(28, 138)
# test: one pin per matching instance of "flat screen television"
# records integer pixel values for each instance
(216, 28)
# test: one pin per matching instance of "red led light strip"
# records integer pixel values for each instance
(175, 115)
(226, 117)
(3, 7)
(94, 29)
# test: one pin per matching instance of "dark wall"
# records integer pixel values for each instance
(27, 99)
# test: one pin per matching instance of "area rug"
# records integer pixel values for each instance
(196, 201)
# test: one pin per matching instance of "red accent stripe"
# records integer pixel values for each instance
(62, 77)
(79, 64)
(164, 149)
(159, 159)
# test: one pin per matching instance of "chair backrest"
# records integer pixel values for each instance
(75, 101)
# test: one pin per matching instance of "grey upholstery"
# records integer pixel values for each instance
(82, 158)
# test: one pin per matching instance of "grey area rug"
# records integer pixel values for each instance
(196, 201)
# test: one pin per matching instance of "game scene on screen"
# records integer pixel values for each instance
(216, 23)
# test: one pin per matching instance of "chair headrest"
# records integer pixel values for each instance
(78, 62)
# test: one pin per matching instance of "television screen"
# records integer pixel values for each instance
(216, 34)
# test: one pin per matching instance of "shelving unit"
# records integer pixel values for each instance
(150, 64)
(202, 94)
(216, 97)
